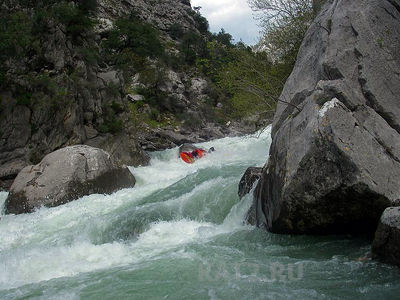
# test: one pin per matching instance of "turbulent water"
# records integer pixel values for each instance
(179, 234)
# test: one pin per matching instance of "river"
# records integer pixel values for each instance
(179, 234)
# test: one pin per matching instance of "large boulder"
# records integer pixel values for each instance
(386, 245)
(334, 162)
(65, 175)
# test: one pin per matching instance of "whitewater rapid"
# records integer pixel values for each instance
(179, 234)
(171, 205)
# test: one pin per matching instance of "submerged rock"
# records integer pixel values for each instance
(386, 245)
(65, 175)
(334, 162)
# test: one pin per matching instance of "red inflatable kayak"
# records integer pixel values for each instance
(191, 157)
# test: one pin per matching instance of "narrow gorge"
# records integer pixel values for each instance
(144, 157)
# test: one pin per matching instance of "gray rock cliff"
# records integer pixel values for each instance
(64, 92)
(161, 13)
(334, 162)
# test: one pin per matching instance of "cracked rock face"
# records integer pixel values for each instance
(334, 162)
(65, 175)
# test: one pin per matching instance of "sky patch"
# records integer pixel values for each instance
(235, 16)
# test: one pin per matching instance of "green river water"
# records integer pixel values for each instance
(179, 234)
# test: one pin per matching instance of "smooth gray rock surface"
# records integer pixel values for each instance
(65, 175)
(334, 162)
(386, 245)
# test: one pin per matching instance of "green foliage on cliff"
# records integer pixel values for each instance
(133, 34)
(74, 17)
(285, 23)
(243, 81)
(15, 36)
(25, 69)
(201, 22)
(192, 46)
(22, 32)
(253, 80)
(15, 39)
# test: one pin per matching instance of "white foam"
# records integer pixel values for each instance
(57, 242)
(3, 197)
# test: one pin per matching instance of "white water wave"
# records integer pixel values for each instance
(56, 242)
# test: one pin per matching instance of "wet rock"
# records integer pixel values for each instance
(65, 175)
(246, 183)
(386, 245)
(248, 179)
(334, 162)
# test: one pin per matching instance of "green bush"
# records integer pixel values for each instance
(90, 55)
(74, 19)
(116, 107)
(36, 3)
(192, 47)
(15, 35)
(113, 90)
(176, 31)
(136, 35)
(87, 6)
(3, 78)
(44, 83)
(112, 124)
(24, 98)
(201, 22)
(223, 37)
(41, 21)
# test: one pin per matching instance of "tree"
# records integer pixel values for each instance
(275, 10)
(223, 37)
(254, 81)
(285, 23)
(192, 46)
